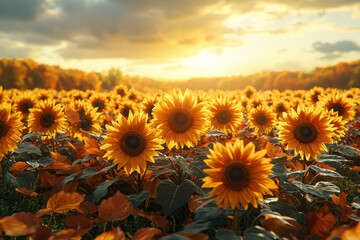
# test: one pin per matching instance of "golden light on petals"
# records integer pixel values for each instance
(131, 143)
(180, 119)
(306, 130)
(262, 119)
(238, 174)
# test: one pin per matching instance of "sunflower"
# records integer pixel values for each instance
(131, 143)
(120, 90)
(339, 125)
(127, 107)
(249, 91)
(313, 95)
(280, 107)
(255, 102)
(86, 119)
(180, 119)
(10, 126)
(99, 102)
(47, 118)
(148, 105)
(238, 174)
(306, 130)
(339, 103)
(24, 103)
(226, 114)
(262, 119)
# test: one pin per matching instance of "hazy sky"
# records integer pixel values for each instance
(179, 39)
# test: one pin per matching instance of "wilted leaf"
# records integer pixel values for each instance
(320, 223)
(115, 234)
(274, 151)
(193, 204)
(77, 222)
(216, 133)
(198, 236)
(171, 196)
(18, 167)
(115, 208)
(26, 192)
(20, 224)
(146, 233)
(62, 202)
(72, 115)
(69, 234)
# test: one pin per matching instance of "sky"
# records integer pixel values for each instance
(181, 39)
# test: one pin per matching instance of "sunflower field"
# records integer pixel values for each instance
(126, 164)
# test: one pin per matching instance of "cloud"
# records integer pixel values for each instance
(22, 10)
(336, 49)
(136, 30)
(8, 50)
(339, 46)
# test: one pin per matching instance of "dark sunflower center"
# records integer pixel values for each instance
(249, 93)
(223, 116)
(281, 108)
(315, 97)
(132, 143)
(43, 98)
(26, 106)
(47, 119)
(180, 120)
(305, 133)
(78, 98)
(132, 97)
(121, 92)
(261, 119)
(125, 112)
(337, 108)
(86, 123)
(99, 104)
(3, 128)
(236, 176)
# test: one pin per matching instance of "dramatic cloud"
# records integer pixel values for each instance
(335, 50)
(22, 10)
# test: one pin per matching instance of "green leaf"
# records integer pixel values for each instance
(210, 212)
(216, 133)
(283, 219)
(32, 135)
(322, 189)
(175, 237)
(195, 228)
(356, 203)
(160, 172)
(23, 179)
(226, 234)
(171, 196)
(100, 191)
(85, 159)
(326, 172)
(349, 152)
(282, 173)
(27, 148)
(138, 198)
(259, 233)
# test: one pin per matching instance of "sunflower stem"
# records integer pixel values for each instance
(304, 168)
(236, 222)
(139, 182)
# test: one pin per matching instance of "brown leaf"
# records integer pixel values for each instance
(72, 115)
(320, 223)
(26, 192)
(73, 234)
(193, 204)
(77, 222)
(280, 228)
(62, 202)
(274, 151)
(115, 208)
(87, 207)
(18, 167)
(115, 234)
(43, 233)
(146, 233)
(20, 224)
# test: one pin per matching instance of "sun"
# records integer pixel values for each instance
(206, 62)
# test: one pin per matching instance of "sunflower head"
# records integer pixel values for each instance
(24, 103)
(306, 130)
(338, 102)
(238, 174)
(249, 91)
(147, 106)
(179, 119)
(226, 114)
(280, 107)
(339, 125)
(10, 127)
(131, 143)
(262, 119)
(314, 95)
(47, 118)
(99, 102)
(127, 107)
